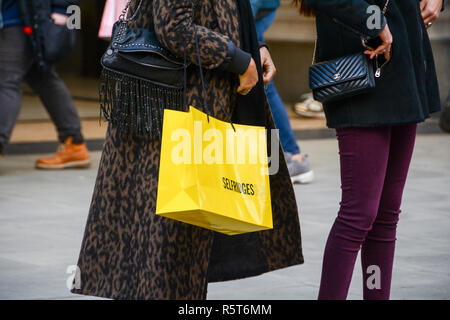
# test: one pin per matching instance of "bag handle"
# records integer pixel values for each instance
(205, 98)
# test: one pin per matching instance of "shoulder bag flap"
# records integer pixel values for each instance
(338, 71)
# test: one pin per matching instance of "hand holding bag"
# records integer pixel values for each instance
(222, 185)
(345, 76)
(57, 41)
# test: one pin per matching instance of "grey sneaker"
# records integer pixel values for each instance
(300, 172)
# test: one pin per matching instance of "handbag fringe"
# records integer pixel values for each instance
(134, 105)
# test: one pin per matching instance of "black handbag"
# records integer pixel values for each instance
(57, 41)
(341, 78)
(50, 42)
(344, 77)
(140, 78)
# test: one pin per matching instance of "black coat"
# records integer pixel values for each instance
(407, 91)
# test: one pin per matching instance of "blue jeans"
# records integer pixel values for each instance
(279, 113)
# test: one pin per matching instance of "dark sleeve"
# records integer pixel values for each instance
(263, 44)
(65, 3)
(351, 13)
(176, 30)
(60, 6)
(443, 4)
(236, 61)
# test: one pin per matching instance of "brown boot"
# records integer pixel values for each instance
(69, 155)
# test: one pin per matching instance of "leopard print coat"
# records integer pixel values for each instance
(127, 251)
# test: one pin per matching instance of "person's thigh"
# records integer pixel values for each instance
(400, 154)
(15, 59)
(364, 156)
(57, 100)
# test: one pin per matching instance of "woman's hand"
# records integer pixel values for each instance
(385, 47)
(268, 67)
(249, 79)
(430, 10)
(59, 18)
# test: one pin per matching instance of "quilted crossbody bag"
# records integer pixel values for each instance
(344, 77)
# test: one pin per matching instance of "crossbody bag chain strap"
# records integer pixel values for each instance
(124, 21)
(378, 68)
(125, 10)
(315, 43)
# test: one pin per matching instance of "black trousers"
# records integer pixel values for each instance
(16, 68)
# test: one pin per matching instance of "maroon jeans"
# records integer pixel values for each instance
(374, 167)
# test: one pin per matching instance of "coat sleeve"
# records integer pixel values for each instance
(65, 3)
(176, 30)
(351, 13)
(60, 6)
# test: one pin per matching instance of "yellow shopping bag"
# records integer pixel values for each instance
(214, 175)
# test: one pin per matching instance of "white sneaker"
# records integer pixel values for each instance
(300, 172)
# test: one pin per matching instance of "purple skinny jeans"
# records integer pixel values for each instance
(374, 166)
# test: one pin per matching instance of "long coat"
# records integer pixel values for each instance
(407, 91)
(130, 253)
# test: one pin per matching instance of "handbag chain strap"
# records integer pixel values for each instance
(202, 78)
(386, 4)
(125, 10)
(385, 7)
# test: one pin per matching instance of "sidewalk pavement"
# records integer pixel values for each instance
(42, 217)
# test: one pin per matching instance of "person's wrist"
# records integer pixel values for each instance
(250, 67)
(61, 10)
(262, 44)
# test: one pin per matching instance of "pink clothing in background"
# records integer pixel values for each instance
(113, 9)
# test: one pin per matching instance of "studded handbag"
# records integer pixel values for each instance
(344, 77)
(140, 78)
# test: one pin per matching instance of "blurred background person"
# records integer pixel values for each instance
(30, 44)
(299, 167)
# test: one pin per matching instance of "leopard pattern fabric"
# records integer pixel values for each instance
(127, 251)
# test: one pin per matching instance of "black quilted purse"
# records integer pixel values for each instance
(345, 76)
(140, 78)
(341, 78)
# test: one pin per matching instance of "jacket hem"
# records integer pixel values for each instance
(375, 124)
(10, 23)
(257, 271)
